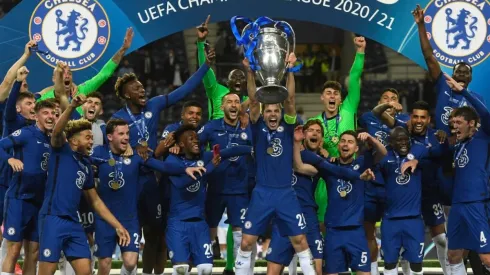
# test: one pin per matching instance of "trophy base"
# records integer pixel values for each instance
(271, 94)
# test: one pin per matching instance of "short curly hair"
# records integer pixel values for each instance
(122, 81)
(76, 126)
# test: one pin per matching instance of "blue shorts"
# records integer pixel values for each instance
(86, 216)
(432, 209)
(403, 232)
(468, 227)
(3, 190)
(281, 250)
(280, 203)
(236, 208)
(189, 240)
(373, 210)
(106, 238)
(150, 206)
(346, 247)
(21, 220)
(61, 234)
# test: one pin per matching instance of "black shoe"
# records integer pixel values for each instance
(228, 272)
(216, 250)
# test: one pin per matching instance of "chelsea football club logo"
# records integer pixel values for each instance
(466, 35)
(75, 32)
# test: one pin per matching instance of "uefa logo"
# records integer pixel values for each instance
(458, 31)
(76, 33)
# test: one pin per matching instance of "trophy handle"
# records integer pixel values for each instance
(289, 31)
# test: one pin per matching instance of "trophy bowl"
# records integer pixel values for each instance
(271, 52)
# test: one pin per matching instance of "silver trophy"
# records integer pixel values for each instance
(270, 57)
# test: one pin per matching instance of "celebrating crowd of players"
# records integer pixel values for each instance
(258, 162)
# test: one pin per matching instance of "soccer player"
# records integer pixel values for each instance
(375, 193)
(26, 188)
(69, 174)
(339, 115)
(93, 84)
(19, 109)
(119, 189)
(402, 224)
(229, 188)
(447, 99)
(187, 232)
(143, 117)
(273, 195)
(467, 222)
(432, 211)
(237, 83)
(92, 110)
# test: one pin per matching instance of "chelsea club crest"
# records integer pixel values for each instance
(459, 31)
(75, 32)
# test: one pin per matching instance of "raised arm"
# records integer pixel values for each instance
(290, 102)
(298, 165)
(236, 151)
(10, 112)
(192, 83)
(254, 104)
(325, 167)
(380, 112)
(210, 82)
(351, 102)
(184, 181)
(59, 86)
(432, 64)
(58, 136)
(11, 75)
(377, 146)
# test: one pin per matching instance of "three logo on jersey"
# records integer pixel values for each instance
(195, 187)
(466, 37)
(77, 32)
(463, 159)
(402, 178)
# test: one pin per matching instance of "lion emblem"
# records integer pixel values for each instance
(70, 30)
(459, 28)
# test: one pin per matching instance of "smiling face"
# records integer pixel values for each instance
(347, 146)
(231, 106)
(135, 93)
(331, 99)
(272, 116)
(400, 141)
(237, 81)
(25, 107)
(313, 136)
(92, 108)
(462, 74)
(45, 119)
(189, 143)
(420, 121)
(119, 139)
(83, 141)
(191, 115)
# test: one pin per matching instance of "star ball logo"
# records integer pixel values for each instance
(459, 31)
(75, 32)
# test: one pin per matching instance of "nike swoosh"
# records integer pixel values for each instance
(39, 142)
(391, 161)
(359, 265)
(483, 245)
(447, 93)
(388, 2)
(221, 134)
(373, 123)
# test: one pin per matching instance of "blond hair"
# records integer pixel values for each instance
(76, 126)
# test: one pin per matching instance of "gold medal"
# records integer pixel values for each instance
(115, 186)
(343, 194)
(144, 143)
(335, 139)
(112, 162)
(270, 150)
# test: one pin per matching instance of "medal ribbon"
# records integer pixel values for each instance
(80, 164)
(117, 166)
(133, 119)
(270, 137)
(337, 121)
(398, 162)
(457, 154)
(426, 142)
(230, 137)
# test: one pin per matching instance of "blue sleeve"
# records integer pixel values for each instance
(400, 123)
(326, 167)
(5, 144)
(166, 167)
(10, 112)
(203, 134)
(236, 151)
(481, 109)
(164, 101)
(75, 116)
(104, 135)
(184, 181)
